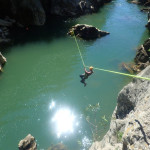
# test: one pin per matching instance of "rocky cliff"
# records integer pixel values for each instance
(35, 12)
(23, 13)
(130, 123)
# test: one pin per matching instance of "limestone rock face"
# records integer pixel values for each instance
(86, 32)
(28, 143)
(130, 124)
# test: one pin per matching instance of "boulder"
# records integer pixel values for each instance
(28, 143)
(86, 32)
(2, 59)
(130, 123)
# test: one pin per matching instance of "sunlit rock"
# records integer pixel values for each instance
(28, 143)
(86, 32)
(2, 61)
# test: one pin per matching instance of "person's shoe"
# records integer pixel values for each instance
(85, 84)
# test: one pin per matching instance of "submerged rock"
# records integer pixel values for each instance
(130, 124)
(86, 32)
(28, 143)
(58, 146)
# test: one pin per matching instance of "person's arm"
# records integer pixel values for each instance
(86, 71)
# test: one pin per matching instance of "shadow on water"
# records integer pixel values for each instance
(56, 27)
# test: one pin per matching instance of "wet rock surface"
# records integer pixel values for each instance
(28, 143)
(130, 124)
(86, 32)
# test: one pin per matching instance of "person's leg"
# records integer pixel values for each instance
(82, 76)
(83, 81)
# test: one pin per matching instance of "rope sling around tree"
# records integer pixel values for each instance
(104, 70)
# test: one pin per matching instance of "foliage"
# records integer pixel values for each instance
(119, 136)
(96, 123)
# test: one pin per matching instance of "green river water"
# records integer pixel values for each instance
(40, 89)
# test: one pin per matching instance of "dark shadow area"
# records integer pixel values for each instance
(54, 28)
(126, 107)
(142, 130)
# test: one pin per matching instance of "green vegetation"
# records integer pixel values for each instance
(119, 136)
(97, 124)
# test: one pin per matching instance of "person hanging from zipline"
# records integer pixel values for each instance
(86, 75)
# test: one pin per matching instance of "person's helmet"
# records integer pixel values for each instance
(91, 68)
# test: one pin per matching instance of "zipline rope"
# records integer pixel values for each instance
(79, 50)
(110, 71)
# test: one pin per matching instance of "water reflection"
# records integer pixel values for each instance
(52, 105)
(86, 143)
(64, 121)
